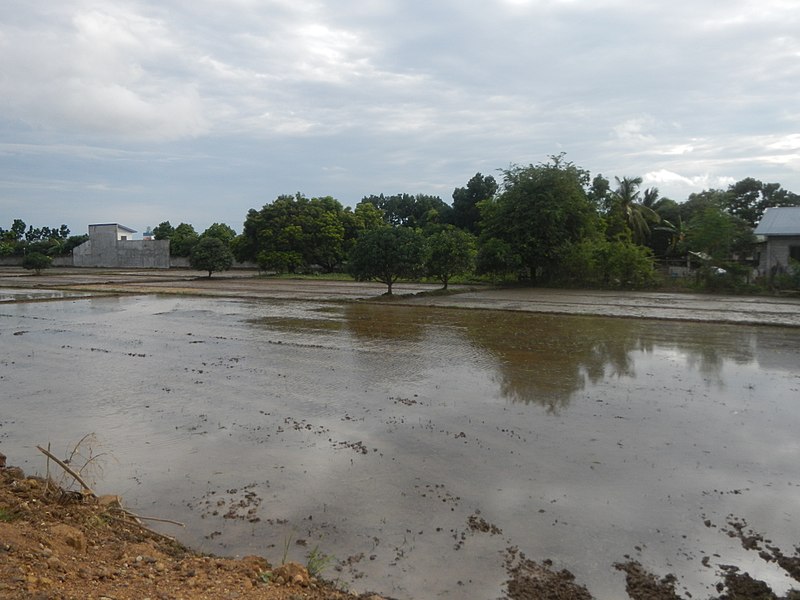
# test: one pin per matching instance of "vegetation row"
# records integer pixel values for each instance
(549, 223)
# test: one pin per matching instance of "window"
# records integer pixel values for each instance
(794, 252)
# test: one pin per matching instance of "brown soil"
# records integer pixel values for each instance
(62, 545)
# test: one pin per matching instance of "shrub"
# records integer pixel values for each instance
(36, 261)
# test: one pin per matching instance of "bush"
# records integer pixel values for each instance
(628, 265)
(36, 261)
(598, 262)
(788, 279)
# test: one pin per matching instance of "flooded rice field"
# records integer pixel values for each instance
(420, 446)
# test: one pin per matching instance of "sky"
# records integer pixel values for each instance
(143, 111)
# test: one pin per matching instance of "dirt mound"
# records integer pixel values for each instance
(61, 545)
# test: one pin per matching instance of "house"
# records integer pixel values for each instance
(111, 245)
(779, 236)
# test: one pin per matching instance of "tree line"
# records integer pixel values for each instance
(548, 223)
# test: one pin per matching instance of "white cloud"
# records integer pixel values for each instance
(270, 92)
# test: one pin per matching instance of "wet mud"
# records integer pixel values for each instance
(531, 580)
(419, 444)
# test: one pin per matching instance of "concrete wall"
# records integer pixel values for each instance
(775, 254)
(107, 251)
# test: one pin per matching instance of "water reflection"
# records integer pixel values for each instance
(657, 420)
(546, 359)
(533, 358)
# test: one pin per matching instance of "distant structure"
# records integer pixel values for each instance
(110, 245)
(779, 231)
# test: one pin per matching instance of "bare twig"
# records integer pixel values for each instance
(157, 519)
(78, 445)
(90, 460)
(140, 526)
(86, 489)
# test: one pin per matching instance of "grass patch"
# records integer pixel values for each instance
(318, 562)
(7, 515)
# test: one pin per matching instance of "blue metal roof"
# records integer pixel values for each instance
(780, 220)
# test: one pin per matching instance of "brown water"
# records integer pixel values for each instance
(374, 432)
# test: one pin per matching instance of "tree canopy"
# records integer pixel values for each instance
(450, 252)
(211, 254)
(418, 211)
(541, 210)
(466, 214)
(387, 254)
(294, 232)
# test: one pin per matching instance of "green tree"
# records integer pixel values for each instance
(387, 254)
(466, 214)
(211, 254)
(182, 240)
(749, 198)
(599, 193)
(163, 231)
(541, 210)
(450, 252)
(496, 258)
(36, 261)
(418, 211)
(221, 231)
(18, 229)
(718, 234)
(700, 201)
(294, 232)
(600, 262)
(74, 241)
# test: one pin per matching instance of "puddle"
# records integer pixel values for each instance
(419, 444)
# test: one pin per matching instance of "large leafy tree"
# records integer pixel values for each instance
(450, 252)
(497, 259)
(182, 240)
(700, 201)
(718, 234)
(387, 254)
(749, 198)
(417, 211)
(163, 231)
(599, 193)
(466, 214)
(293, 232)
(541, 210)
(221, 231)
(211, 254)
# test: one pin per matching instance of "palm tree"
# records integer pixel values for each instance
(636, 213)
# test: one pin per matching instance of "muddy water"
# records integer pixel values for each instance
(375, 432)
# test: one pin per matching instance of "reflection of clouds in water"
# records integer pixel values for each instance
(536, 358)
(643, 446)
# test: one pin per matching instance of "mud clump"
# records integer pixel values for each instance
(529, 580)
(642, 585)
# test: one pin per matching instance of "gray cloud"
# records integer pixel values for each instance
(198, 111)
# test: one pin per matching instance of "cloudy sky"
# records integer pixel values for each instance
(140, 111)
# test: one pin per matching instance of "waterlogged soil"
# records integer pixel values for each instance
(58, 544)
(432, 452)
(62, 545)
